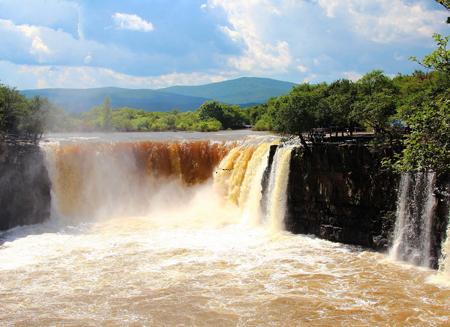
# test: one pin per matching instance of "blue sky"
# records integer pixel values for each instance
(156, 43)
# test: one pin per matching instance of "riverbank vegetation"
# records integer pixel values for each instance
(21, 118)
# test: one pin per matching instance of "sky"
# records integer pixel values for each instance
(160, 43)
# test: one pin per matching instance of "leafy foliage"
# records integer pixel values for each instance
(439, 59)
(229, 116)
(21, 117)
(427, 113)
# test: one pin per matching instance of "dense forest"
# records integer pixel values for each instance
(410, 109)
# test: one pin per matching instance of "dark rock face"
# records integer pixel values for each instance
(441, 218)
(341, 193)
(24, 186)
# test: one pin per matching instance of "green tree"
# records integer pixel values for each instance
(376, 101)
(427, 146)
(19, 116)
(229, 116)
(297, 112)
(106, 115)
(439, 59)
(342, 95)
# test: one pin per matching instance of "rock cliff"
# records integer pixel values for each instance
(24, 185)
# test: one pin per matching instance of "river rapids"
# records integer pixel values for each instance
(152, 233)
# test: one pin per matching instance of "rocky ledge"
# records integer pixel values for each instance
(24, 185)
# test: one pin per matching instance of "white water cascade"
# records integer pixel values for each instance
(413, 226)
(444, 262)
(277, 191)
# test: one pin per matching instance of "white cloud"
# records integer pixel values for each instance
(33, 33)
(246, 21)
(330, 6)
(28, 37)
(302, 68)
(33, 76)
(44, 45)
(310, 78)
(65, 14)
(88, 59)
(386, 21)
(353, 76)
(131, 22)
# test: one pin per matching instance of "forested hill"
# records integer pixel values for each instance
(243, 91)
(83, 100)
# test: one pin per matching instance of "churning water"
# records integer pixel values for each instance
(176, 234)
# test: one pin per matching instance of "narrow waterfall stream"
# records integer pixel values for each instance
(412, 235)
(444, 264)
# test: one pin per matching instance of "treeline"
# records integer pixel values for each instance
(21, 118)
(211, 116)
(374, 103)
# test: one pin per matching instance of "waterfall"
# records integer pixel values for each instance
(414, 219)
(251, 189)
(277, 191)
(444, 262)
(91, 180)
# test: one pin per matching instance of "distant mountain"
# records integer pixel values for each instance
(82, 100)
(244, 91)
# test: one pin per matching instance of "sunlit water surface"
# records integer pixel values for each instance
(134, 271)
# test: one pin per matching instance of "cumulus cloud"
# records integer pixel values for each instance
(286, 39)
(131, 22)
(353, 76)
(56, 14)
(23, 37)
(246, 26)
(302, 68)
(33, 76)
(38, 44)
(386, 21)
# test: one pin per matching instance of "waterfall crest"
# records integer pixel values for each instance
(415, 213)
(96, 180)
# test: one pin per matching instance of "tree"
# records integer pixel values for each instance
(439, 59)
(375, 102)
(19, 116)
(106, 115)
(342, 95)
(297, 112)
(427, 146)
(446, 4)
(228, 116)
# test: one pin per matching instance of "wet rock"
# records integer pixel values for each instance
(341, 192)
(24, 185)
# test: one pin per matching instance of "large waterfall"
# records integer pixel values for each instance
(190, 233)
(95, 180)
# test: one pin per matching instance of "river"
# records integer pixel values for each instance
(190, 256)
